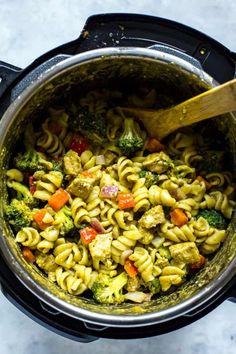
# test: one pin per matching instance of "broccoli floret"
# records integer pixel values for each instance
(18, 214)
(31, 160)
(212, 161)
(214, 218)
(92, 125)
(107, 290)
(130, 140)
(82, 226)
(164, 252)
(23, 193)
(63, 218)
(154, 286)
(150, 177)
(57, 165)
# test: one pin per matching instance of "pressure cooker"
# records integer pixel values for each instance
(114, 48)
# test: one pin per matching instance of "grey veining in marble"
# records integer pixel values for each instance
(28, 28)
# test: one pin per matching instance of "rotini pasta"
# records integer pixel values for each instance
(95, 202)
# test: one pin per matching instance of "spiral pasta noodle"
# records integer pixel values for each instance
(79, 212)
(94, 198)
(143, 262)
(50, 142)
(28, 236)
(48, 184)
(125, 242)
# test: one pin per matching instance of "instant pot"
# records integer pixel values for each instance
(115, 47)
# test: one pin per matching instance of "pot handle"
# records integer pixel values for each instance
(8, 73)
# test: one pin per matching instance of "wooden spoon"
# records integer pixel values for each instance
(160, 123)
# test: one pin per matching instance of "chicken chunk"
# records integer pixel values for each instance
(186, 252)
(81, 186)
(147, 235)
(158, 162)
(72, 163)
(152, 217)
(100, 249)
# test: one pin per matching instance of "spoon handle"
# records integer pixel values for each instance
(216, 101)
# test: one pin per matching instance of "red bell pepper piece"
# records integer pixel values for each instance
(125, 200)
(79, 144)
(154, 145)
(87, 234)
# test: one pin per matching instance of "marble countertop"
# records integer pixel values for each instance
(27, 30)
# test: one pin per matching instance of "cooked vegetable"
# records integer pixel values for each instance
(125, 200)
(28, 255)
(97, 226)
(18, 214)
(57, 165)
(214, 218)
(87, 234)
(108, 290)
(201, 179)
(79, 144)
(109, 191)
(138, 296)
(92, 125)
(58, 199)
(31, 161)
(130, 140)
(32, 185)
(153, 286)
(150, 177)
(130, 268)
(100, 160)
(23, 193)
(198, 264)
(212, 161)
(154, 145)
(64, 220)
(178, 217)
(39, 216)
(164, 252)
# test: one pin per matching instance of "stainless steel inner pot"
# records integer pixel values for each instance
(96, 69)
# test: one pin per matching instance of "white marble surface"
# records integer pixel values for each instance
(29, 28)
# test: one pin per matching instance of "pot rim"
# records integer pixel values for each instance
(204, 295)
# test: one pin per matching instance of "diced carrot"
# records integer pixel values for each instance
(154, 145)
(28, 255)
(38, 218)
(201, 179)
(86, 173)
(125, 200)
(87, 234)
(199, 264)
(130, 268)
(58, 199)
(32, 184)
(178, 217)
